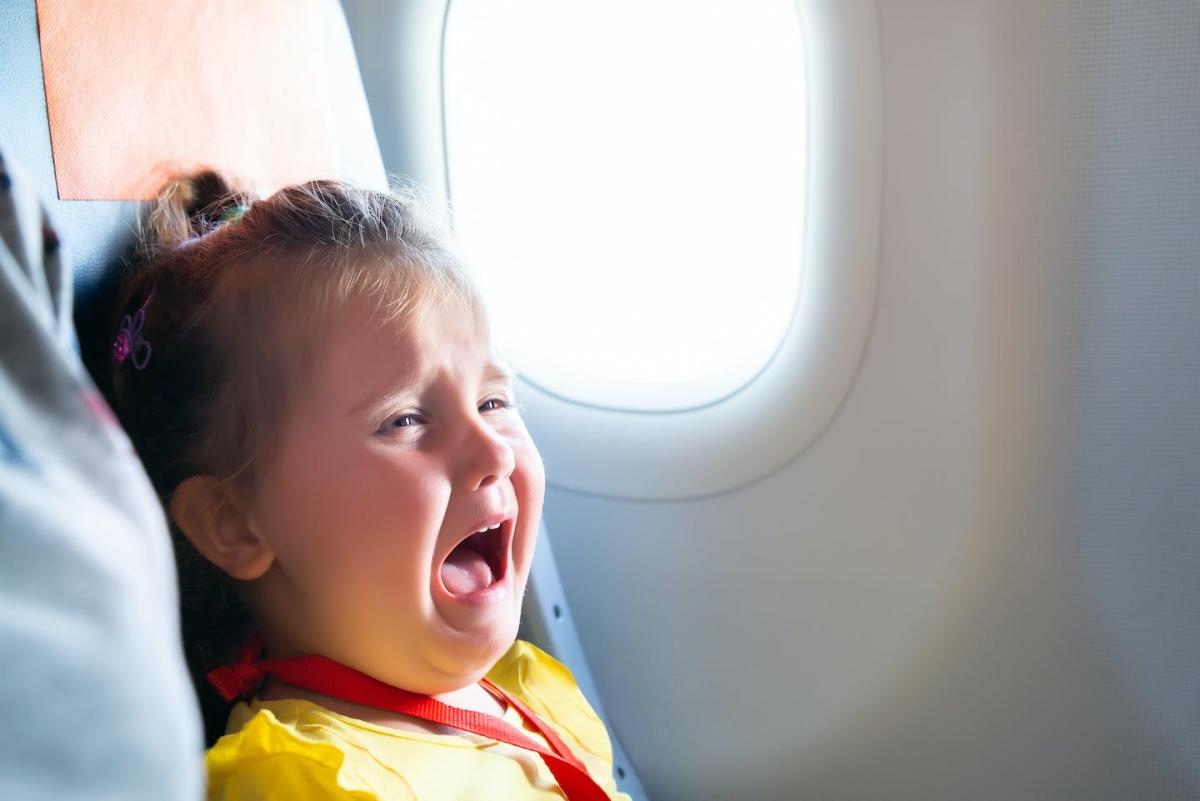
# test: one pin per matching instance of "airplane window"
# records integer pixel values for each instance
(628, 181)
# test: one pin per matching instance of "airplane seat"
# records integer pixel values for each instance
(97, 233)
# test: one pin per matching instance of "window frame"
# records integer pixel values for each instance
(768, 422)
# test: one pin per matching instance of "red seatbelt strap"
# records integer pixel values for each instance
(322, 675)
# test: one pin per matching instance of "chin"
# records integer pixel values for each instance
(498, 645)
(470, 664)
(481, 649)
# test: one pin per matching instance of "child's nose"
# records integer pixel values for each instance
(487, 456)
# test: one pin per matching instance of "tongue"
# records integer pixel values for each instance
(465, 571)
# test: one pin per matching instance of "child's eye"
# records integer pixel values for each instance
(501, 403)
(401, 421)
(410, 420)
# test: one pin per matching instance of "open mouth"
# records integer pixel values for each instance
(479, 561)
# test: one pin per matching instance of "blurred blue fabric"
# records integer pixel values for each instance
(96, 700)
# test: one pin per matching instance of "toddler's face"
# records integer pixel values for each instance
(400, 447)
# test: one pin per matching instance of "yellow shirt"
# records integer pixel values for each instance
(295, 750)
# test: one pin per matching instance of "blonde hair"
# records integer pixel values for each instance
(223, 279)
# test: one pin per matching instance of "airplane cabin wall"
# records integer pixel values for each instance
(980, 581)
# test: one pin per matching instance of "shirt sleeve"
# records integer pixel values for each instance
(267, 761)
(285, 777)
(550, 689)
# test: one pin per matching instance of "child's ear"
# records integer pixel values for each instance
(211, 514)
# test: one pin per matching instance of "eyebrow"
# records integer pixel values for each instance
(491, 372)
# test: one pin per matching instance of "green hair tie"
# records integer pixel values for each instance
(233, 214)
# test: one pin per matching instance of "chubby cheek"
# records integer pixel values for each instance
(347, 523)
(529, 483)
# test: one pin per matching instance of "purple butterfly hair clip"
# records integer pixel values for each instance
(129, 343)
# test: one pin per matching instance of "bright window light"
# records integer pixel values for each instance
(628, 185)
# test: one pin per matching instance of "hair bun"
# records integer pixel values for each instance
(191, 206)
